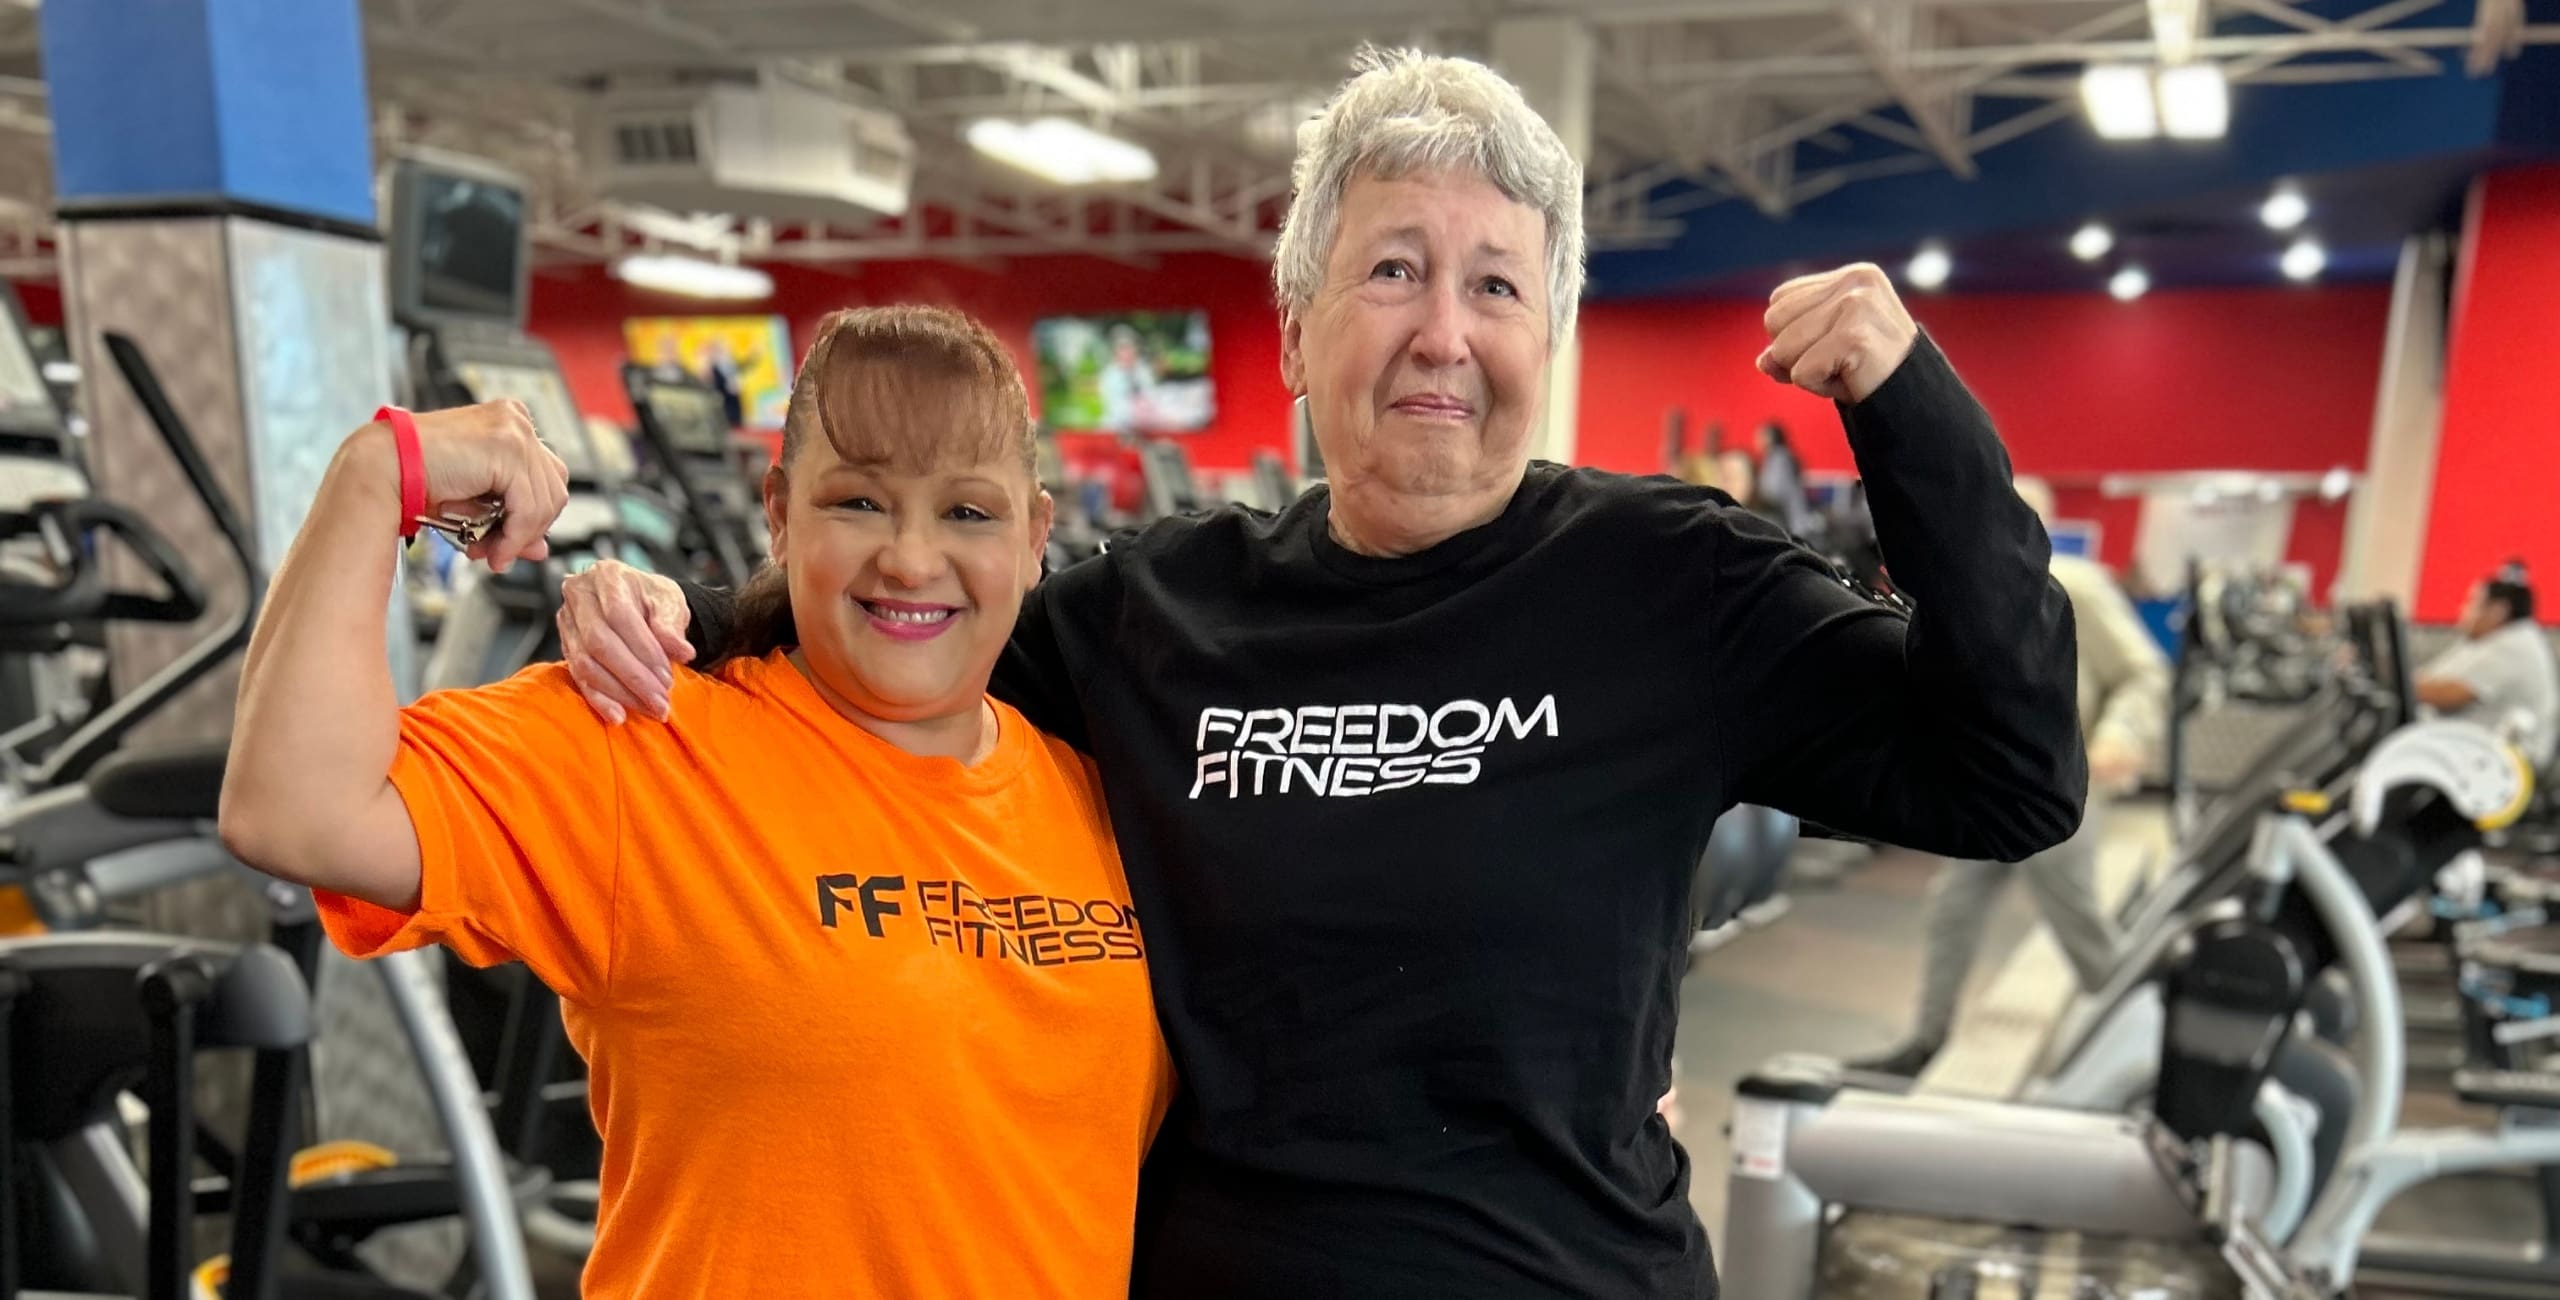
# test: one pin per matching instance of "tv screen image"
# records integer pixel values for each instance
(746, 359)
(470, 235)
(1129, 372)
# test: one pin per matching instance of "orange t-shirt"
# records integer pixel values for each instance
(856, 1022)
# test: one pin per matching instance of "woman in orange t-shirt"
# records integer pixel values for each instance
(845, 944)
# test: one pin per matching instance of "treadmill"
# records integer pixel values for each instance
(687, 428)
(1172, 489)
(459, 258)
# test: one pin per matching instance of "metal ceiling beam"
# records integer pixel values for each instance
(1815, 123)
(934, 25)
(910, 247)
(651, 19)
(2353, 29)
(1150, 99)
(2278, 11)
(412, 39)
(1073, 238)
(2356, 33)
(2497, 29)
(1889, 34)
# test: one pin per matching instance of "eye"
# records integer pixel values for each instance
(855, 503)
(1502, 286)
(1391, 267)
(971, 514)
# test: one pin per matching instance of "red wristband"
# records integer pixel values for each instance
(413, 467)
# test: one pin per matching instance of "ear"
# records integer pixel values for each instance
(777, 509)
(1044, 513)
(1293, 361)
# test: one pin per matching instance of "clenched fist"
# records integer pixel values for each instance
(1839, 334)
(490, 452)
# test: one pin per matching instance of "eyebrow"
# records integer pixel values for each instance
(1417, 235)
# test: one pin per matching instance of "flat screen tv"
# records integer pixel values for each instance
(1126, 372)
(459, 248)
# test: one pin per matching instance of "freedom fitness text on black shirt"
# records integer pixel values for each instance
(1414, 837)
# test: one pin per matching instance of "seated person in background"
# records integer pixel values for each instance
(2502, 667)
(846, 945)
(2124, 710)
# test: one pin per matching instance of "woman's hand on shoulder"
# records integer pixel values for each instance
(621, 632)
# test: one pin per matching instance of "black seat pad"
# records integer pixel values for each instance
(184, 781)
(2523, 1088)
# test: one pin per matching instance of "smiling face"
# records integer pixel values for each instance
(909, 527)
(1423, 356)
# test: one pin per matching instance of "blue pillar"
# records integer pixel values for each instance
(214, 166)
(255, 103)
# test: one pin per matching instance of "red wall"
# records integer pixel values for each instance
(2081, 385)
(2279, 379)
(580, 313)
(2497, 490)
(43, 303)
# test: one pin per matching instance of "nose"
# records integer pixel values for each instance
(911, 559)
(1440, 338)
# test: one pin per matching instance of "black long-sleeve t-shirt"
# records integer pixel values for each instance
(1411, 839)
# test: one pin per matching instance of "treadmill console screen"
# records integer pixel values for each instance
(693, 417)
(555, 416)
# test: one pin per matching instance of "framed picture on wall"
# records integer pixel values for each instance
(747, 359)
(1130, 372)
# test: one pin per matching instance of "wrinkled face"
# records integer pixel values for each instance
(1423, 357)
(905, 584)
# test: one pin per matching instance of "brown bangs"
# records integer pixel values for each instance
(910, 390)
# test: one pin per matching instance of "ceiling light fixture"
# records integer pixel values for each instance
(1062, 151)
(2195, 102)
(2284, 209)
(692, 277)
(2304, 260)
(2118, 97)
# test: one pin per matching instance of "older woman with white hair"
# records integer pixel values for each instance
(1409, 777)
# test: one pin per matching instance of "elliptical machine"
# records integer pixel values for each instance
(83, 1017)
(2218, 1181)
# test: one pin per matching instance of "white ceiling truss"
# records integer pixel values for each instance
(1757, 101)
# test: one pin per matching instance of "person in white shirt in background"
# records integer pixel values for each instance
(2124, 711)
(2503, 671)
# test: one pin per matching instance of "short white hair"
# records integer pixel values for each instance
(1404, 112)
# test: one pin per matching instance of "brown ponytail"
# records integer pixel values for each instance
(870, 377)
